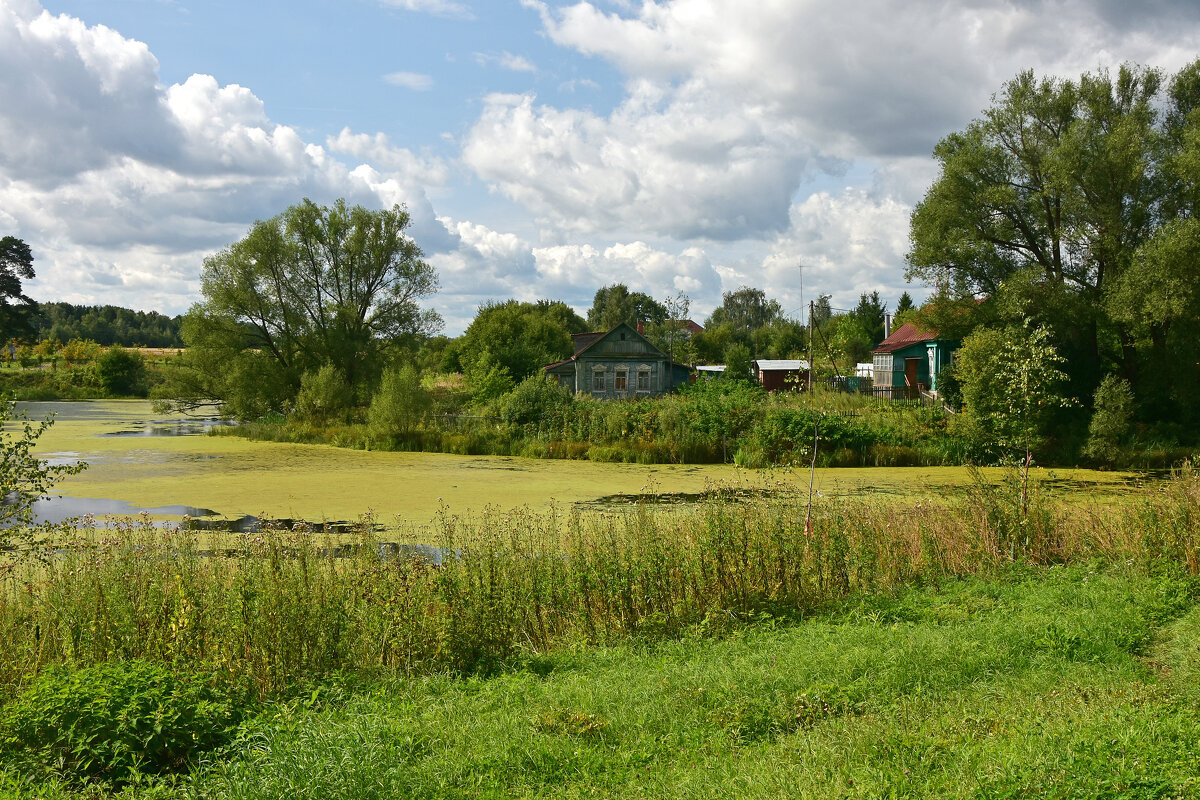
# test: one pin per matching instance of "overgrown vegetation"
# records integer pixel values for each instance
(289, 617)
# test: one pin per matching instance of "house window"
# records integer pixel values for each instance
(643, 384)
(622, 379)
(598, 379)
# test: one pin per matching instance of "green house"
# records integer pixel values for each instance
(618, 363)
(907, 363)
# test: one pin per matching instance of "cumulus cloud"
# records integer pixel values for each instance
(492, 265)
(122, 185)
(668, 164)
(731, 110)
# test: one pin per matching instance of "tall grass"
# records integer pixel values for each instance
(287, 607)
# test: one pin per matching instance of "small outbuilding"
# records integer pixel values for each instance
(781, 374)
(617, 364)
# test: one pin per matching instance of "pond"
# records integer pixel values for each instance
(163, 463)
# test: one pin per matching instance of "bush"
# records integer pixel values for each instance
(112, 720)
(121, 371)
(323, 394)
(536, 400)
(1109, 427)
(400, 405)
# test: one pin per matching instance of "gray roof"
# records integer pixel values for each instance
(781, 363)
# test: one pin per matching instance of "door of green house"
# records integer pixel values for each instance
(912, 371)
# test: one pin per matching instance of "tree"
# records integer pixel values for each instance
(615, 304)
(1065, 202)
(870, 312)
(520, 337)
(315, 285)
(16, 310)
(671, 335)
(746, 310)
(24, 478)
(400, 405)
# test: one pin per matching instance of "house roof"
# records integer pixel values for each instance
(710, 368)
(907, 334)
(584, 341)
(781, 363)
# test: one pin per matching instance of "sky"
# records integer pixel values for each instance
(543, 149)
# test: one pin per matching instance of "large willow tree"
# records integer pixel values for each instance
(1073, 202)
(314, 286)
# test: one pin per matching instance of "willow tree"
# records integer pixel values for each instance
(311, 287)
(1058, 203)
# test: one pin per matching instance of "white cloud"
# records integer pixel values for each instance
(122, 185)
(731, 109)
(416, 81)
(506, 60)
(378, 150)
(441, 8)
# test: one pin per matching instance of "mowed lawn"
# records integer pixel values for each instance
(1065, 682)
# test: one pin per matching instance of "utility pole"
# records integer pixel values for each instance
(810, 350)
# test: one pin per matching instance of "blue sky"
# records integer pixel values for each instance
(544, 149)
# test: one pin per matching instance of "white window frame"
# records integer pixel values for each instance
(598, 376)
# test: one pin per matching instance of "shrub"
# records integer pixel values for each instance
(80, 350)
(1109, 427)
(115, 719)
(400, 405)
(121, 371)
(323, 394)
(536, 400)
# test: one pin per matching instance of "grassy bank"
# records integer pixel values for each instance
(887, 649)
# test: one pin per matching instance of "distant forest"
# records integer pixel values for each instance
(107, 325)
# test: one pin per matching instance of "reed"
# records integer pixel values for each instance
(287, 608)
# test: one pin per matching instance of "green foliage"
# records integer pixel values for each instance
(738, 366)
(519, 337)
(1111, 416)
(745, 310)
(537, 401)
(314, 285)
(112, 720)
(24, 478)
(121, 372)
(487, 378)
(1010, 382)
(1072, 202)
(16, 310)
(78, 350)
(324, 394)
(108, 325)
(615, 304)
(401, 404)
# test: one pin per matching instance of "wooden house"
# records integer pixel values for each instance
(907, 363)
(618, 363)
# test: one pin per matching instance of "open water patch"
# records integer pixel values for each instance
(172, 427)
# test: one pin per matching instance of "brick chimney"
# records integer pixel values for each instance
(641, 328)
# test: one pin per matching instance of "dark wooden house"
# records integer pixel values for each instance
(618, 363)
